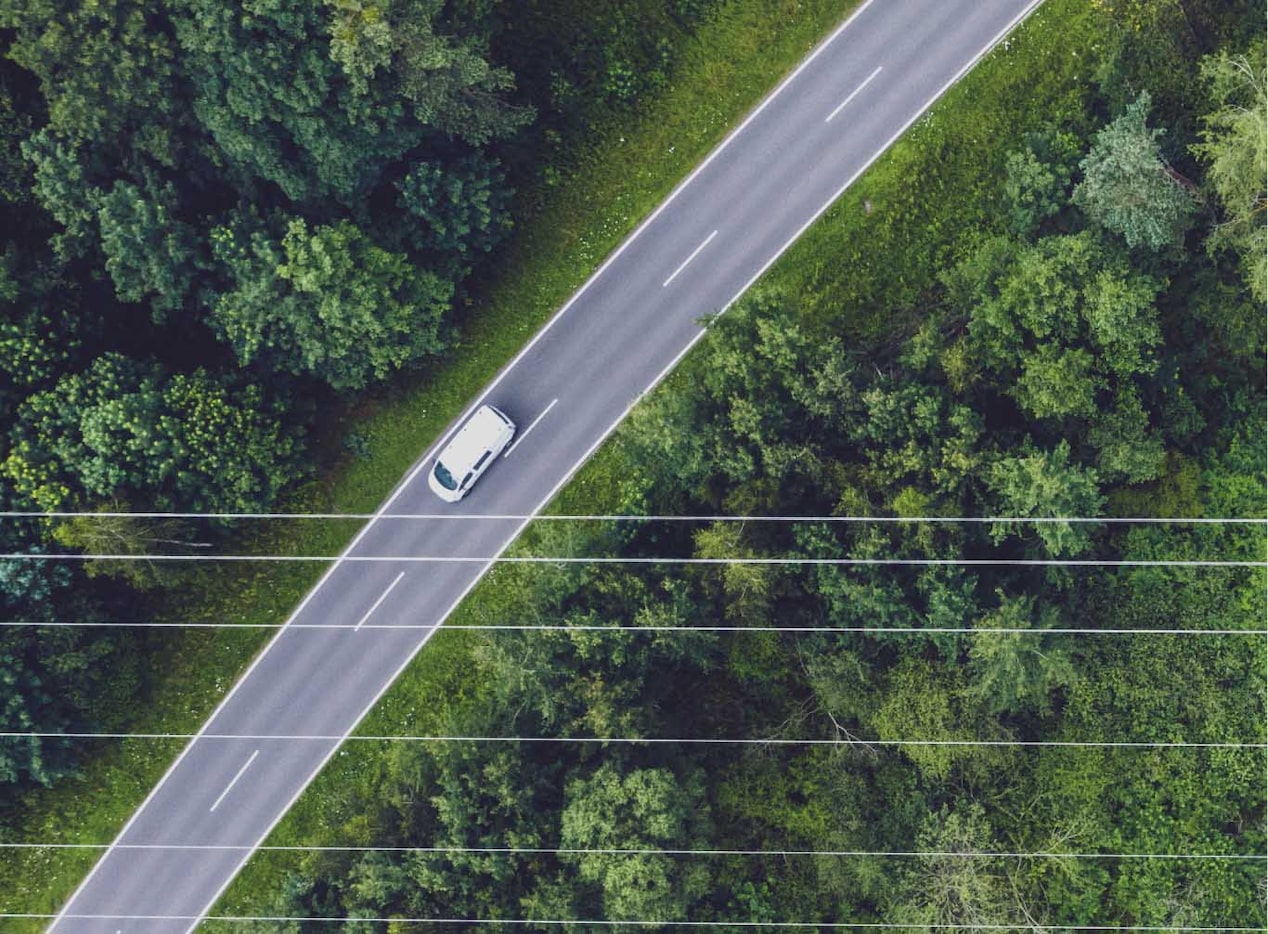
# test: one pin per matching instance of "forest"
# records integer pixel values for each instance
(219, 229)
(1058, 313)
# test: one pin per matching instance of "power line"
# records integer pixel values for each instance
(558, 560)
(636, 740)
(557, 922)
(638, 851)
(598, 517)
(547, 627)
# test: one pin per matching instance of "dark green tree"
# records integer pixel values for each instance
(123, 428)
(322, 119)
(326, 303)
(462, 208)
(447, 80)
(104, 69)
(150, 254)
(38, 342)
(1013, 672)
(1037, 186)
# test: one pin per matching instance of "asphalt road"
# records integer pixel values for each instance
(614, 340)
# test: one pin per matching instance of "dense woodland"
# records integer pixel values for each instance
(217, 229)
(191, 271)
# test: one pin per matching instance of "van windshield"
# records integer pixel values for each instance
(444, 477)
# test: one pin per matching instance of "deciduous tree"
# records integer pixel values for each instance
(150, 253)
(1046, 484)
(463, 208)
(327, 303)
(1236, 152)
(123, 428)
(1129, 188)
(644, 808)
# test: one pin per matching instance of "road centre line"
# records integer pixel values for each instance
(378, 602)
(854, 93)
(246, 765)
(694, 254)
(524, 435)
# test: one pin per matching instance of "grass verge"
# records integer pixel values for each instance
(630, 164)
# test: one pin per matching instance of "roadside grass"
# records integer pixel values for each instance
(629, 164)
(933, 198)
(865, 267)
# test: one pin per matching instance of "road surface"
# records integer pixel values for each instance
(571, 385)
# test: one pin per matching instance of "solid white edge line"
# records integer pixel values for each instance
(524, 434)
(233, 781)
(377, 603)
(694, 253)
(853, 94)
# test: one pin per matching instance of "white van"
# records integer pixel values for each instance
(469, 453)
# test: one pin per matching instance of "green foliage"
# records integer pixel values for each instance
(63, 187)
(1072, 326)
(1038, 180)
(1121, 320)
(37, 344)
(323, 121)
(640, 809)
(463, 208)
(110, 85)
(1128, 187)
(1236, 151)
(1057, 384)
(1013, 671)
(103, 69)
(448, 82)
(16, 123)
(327, 303)
(955, 887)
(121, 428)
(1045, 484)
(926, 704)
(1126, 448)
(149, 254)
(1062, 291)
(274, 105)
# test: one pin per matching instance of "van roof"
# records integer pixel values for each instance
(480, 433)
